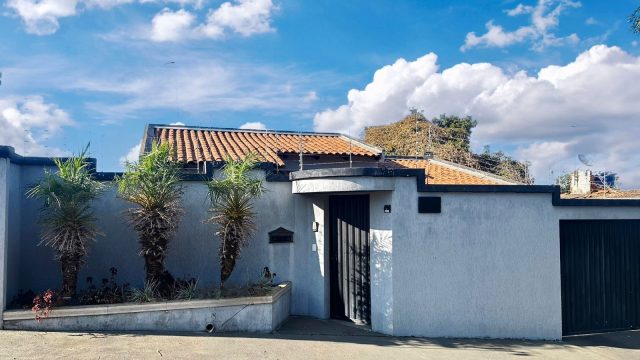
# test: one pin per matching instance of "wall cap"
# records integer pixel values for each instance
(94, 310)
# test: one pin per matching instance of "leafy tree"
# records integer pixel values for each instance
(634, 20)
(66, 215)
(448, 138)
(504, 165)
(153, 184)
(232, 198)
(460, 129)
(565, 183)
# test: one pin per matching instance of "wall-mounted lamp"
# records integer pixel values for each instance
(387, 209)
(314, 226)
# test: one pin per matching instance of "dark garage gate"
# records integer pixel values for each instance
(600, 270)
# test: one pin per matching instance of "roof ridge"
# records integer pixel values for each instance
(457, 167)
(213, 128)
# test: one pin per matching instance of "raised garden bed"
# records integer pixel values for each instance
(250, 314)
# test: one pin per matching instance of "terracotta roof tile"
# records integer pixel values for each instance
(440, 174)
(197, 145)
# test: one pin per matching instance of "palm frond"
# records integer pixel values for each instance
(231, 198)
(66, 215)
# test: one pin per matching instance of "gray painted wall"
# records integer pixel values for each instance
(4, 231)
(193, 250)
(487, 266)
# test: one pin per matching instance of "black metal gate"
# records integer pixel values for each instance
(600, 269)
(349, 252)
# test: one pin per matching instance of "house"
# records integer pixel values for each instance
(418, 247)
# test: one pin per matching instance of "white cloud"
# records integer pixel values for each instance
(587, 106)
(177, 123)
(170, 25)
(244, 17)
(194, 84)
(41, 16)
(544, 18)
(108, 4)
(28, 121)
(132, 155)
(253, 126)
(591, 21)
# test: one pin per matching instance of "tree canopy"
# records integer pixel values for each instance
(448, 137)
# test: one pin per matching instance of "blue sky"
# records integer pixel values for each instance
(546, 79)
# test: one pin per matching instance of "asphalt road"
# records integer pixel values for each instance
(303, 338)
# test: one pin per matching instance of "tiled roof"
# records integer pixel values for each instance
(445, 173)
(210, 144)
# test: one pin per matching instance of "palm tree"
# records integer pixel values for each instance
(153, 184)
(232, 199)
(66, 215)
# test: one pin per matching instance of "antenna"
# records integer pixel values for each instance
(584, 159)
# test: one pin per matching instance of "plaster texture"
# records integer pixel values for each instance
(487, 266)
(346, 184)
(4, 231)
(259, 314)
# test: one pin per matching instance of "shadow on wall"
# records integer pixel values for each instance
(381, 280)
(193, 251)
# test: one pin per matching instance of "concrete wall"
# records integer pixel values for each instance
(193, 250)
(258, 314)
(4, 231)
(487, 266)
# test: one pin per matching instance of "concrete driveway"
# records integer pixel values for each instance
(302, 338)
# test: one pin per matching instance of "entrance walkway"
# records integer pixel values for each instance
(304, 338)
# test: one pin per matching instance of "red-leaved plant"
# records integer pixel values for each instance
(43, 304)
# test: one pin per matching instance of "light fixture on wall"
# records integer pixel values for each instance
(387, 209)
(314, 226)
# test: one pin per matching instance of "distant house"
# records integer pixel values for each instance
(408, 246)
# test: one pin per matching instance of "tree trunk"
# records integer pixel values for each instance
(70, 265)
(228, 263)
(154, 266)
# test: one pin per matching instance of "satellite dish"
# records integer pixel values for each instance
(584, 159)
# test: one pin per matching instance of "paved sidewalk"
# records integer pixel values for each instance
(303, 338)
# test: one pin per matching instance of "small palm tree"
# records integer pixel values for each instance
(153, 183)
(232, 199)
(66, 215)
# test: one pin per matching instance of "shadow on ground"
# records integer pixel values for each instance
(309, 329)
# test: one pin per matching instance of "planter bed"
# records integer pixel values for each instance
(250, 314)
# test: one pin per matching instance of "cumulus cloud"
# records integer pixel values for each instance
(170, 25)
(544, 18)
(587, 106)
(253, 126)
(40, 17)
(177, 123)
(28, 121)
(244, 17)
(131, 156)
